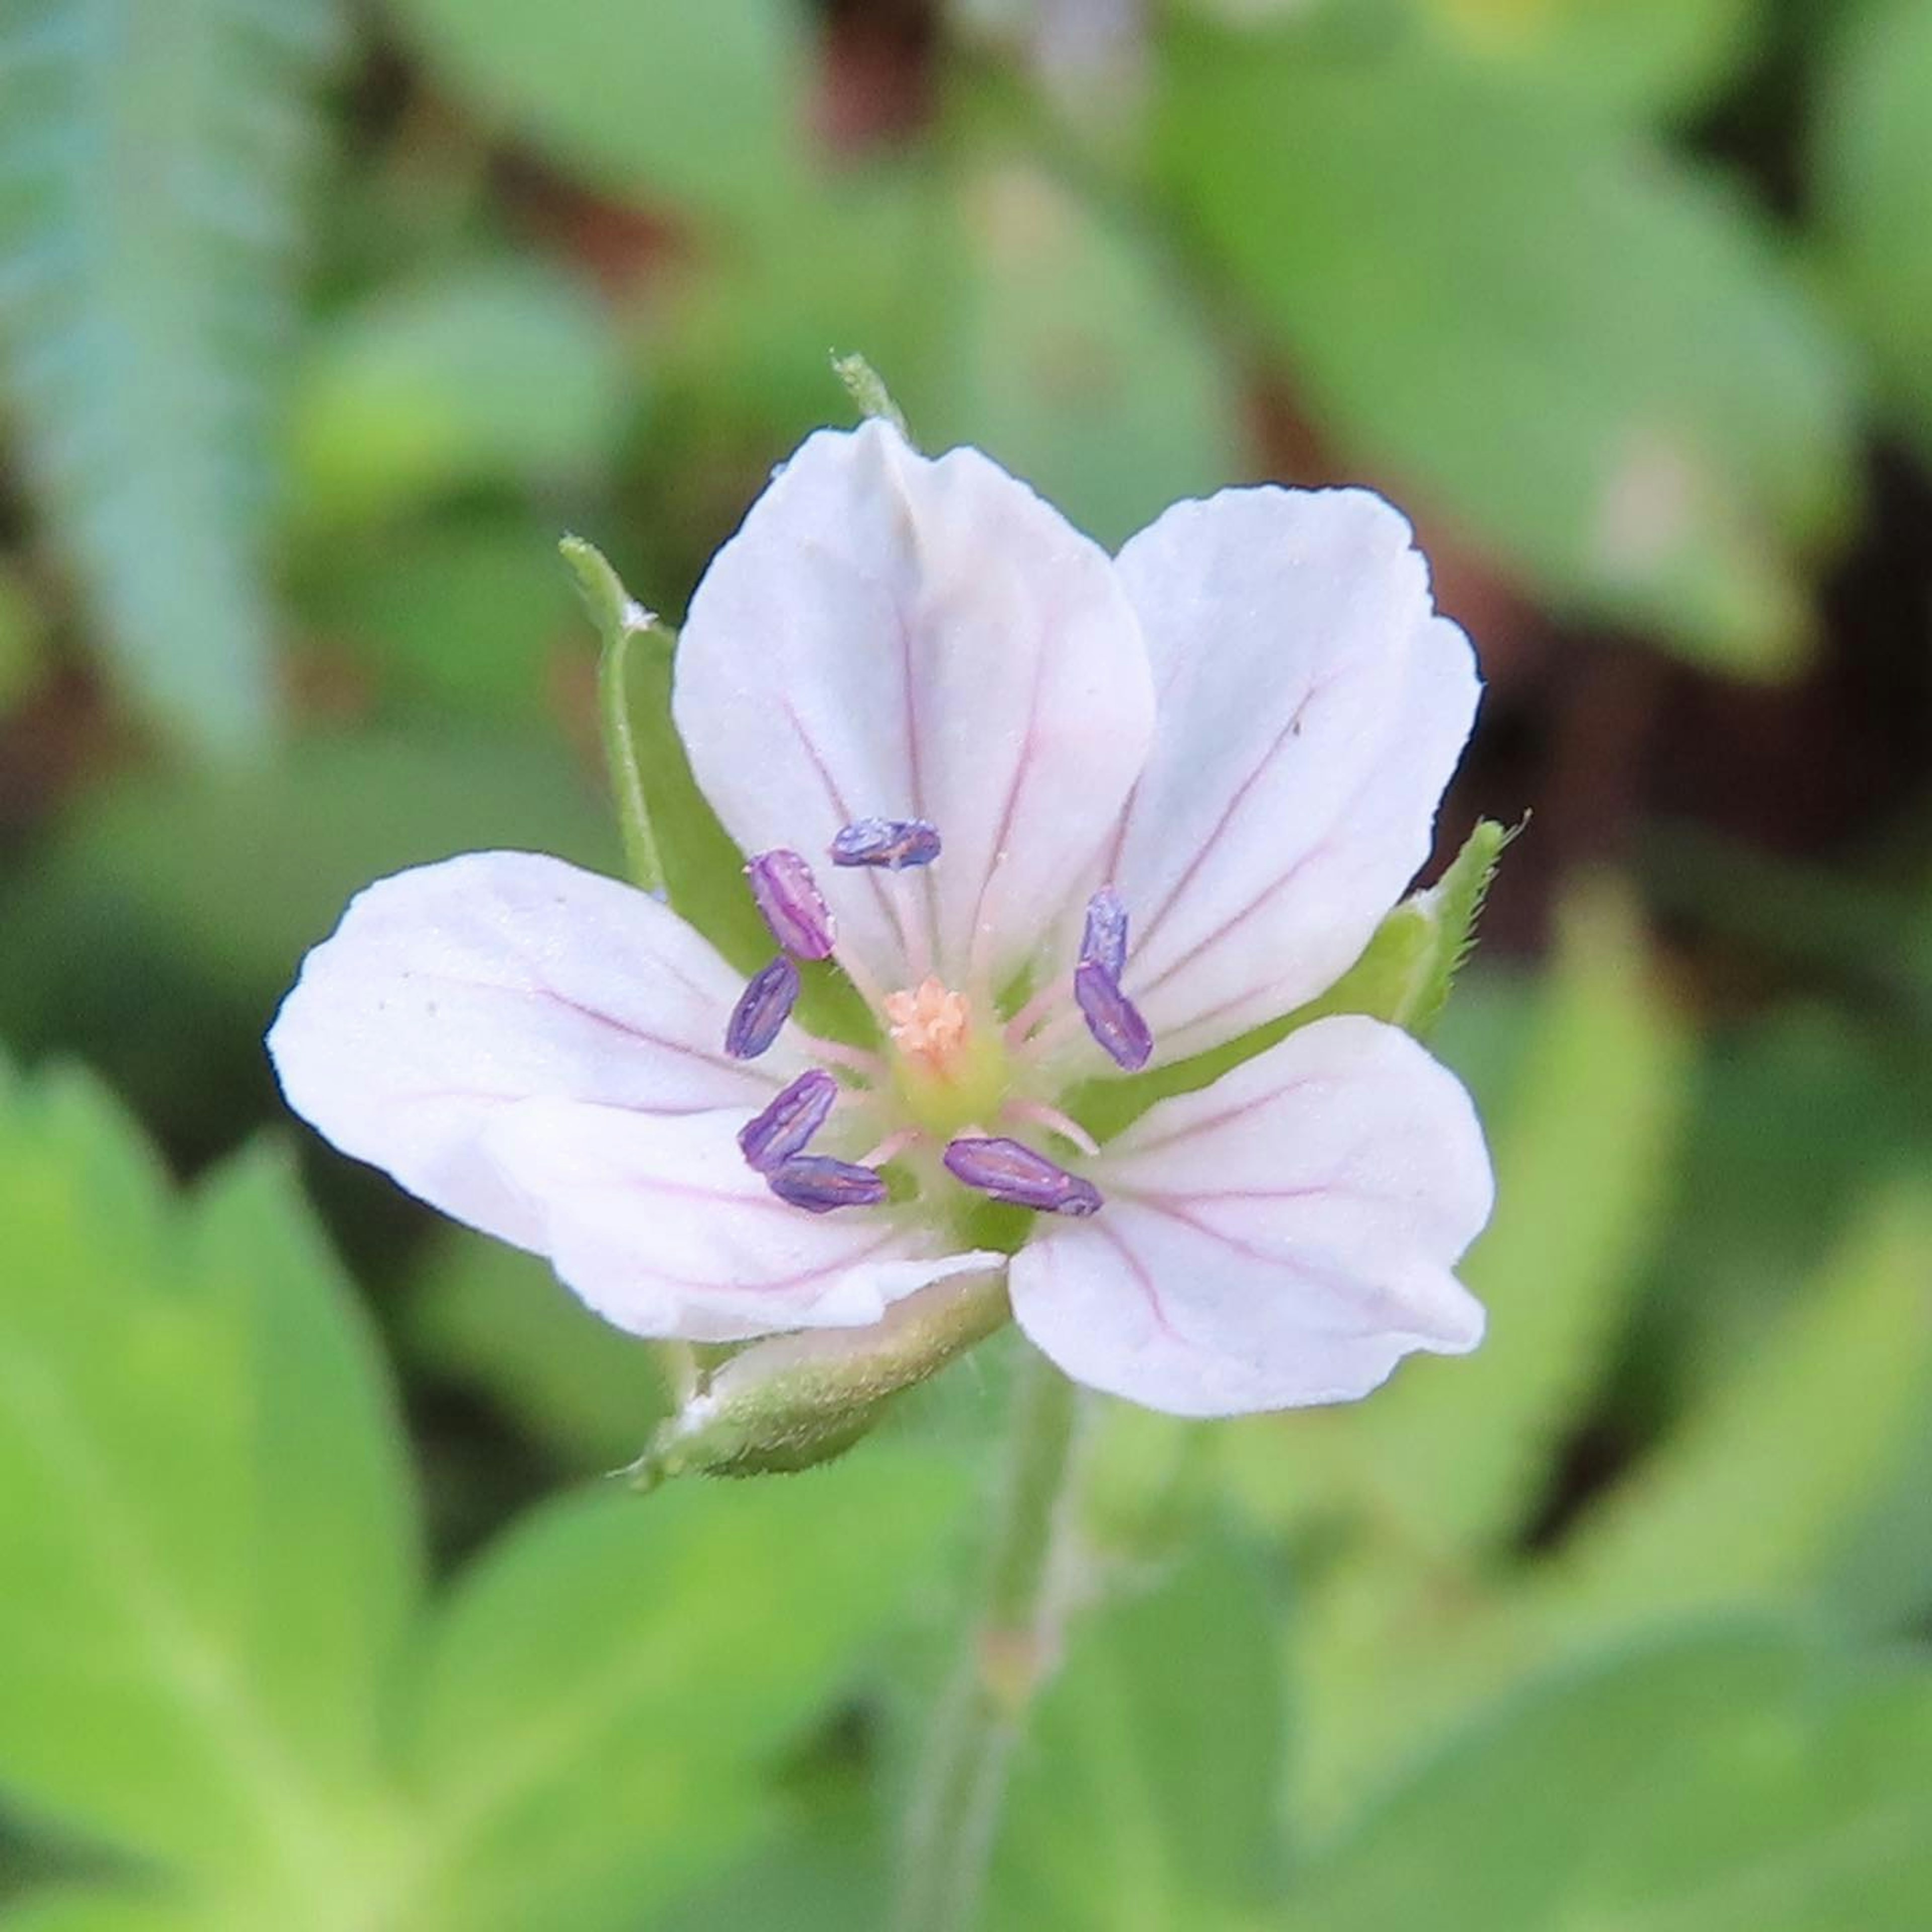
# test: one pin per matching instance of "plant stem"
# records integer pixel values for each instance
(952, 1820)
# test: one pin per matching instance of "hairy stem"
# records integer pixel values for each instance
(952, 1820)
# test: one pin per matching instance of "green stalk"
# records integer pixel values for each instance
(953, 1821)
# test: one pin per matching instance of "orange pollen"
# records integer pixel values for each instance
(929, 1022)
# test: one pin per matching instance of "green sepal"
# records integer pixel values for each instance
(798, 1400)
(1405, 974)
(1403, 977)
(867, 389)
(673, 840)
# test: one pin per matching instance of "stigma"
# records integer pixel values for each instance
(930, 1023)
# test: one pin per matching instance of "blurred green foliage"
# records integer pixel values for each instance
(318, 326)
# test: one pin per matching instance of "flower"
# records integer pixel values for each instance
(1056, 816)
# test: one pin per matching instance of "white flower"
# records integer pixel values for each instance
(1055, 814)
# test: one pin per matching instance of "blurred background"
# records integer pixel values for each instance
(319, 322)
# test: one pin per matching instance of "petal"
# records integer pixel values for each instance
(1281, 1237)
(449, 992)
(659, 1225)
(894, 636)
(1311, 708)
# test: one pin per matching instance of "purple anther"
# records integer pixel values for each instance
(764, 1006)
(784, 1127)
(1009, 1171)
(788, 896)
(1104, 941)
(893, 843)
(1112, 1019)
(818, 1184)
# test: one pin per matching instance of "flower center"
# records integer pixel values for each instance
(929, 1022)
(948, 1071)
(953, 1078)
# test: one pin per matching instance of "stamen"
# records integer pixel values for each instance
(1049, 999)
(893, 843)
(1104, 941)
(890, 1148)
(818, 1184)
(763, 1008)
(1041, 1115)
(1112, 1019)
(1009, 1171)
(788, 896)
(784, 1127)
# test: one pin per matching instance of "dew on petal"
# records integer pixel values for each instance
(788, 896)
(789, 1123)
(1111, 1018)
(819, 1184)
(892, 843)
(1009, 1171)
(763, 1008)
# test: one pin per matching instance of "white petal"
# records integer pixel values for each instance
(894, 636)
(1311, 708)
(450, 991)
(1283, 1237)
(659, 1226)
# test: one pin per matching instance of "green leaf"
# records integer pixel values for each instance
(697, 101)
(24, 659)
(499, 372)
(1459, 1452)
(242, 872)
(465, 614)
(1144, 1795)
(200, 1498)
(332, 1539)
(75, 1910)
(1079, 363)
(1755, 1490)
(498, 1321)
(1569, 342)
(1625, 57)
(1874, 174)
(1726, 1782)
(152, 165)
(1744, 1510)
(607, 1685)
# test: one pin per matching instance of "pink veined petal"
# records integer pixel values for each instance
(893, 636)
(452, 992)
(659, 1224)
(1311, 708)
(1281, 1237)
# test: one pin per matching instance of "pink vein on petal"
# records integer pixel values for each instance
(1151, 922)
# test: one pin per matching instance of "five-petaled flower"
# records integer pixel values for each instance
(1056, 815)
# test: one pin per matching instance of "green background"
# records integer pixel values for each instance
(319, 323)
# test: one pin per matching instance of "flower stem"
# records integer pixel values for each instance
(953, 1821)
